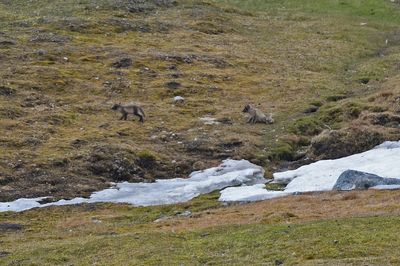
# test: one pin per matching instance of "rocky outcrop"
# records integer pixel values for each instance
(352, 179)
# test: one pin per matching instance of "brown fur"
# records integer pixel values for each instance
(126, 109)
(256, 116)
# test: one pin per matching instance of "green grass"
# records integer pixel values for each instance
(373, 10)
(370, 240)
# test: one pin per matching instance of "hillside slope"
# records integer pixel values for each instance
(64, 64)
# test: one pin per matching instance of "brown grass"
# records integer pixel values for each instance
(294, 209)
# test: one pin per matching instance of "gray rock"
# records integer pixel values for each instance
(352, 179)
(41, 52)
(123, 63)
(184, 214)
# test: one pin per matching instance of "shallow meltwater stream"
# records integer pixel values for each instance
(238, 180)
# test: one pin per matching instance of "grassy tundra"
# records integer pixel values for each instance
(64, 63)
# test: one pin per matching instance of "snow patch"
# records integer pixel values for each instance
(383, 161)
(20, 204)
(249, 193)
(389, 187)
(229, 173)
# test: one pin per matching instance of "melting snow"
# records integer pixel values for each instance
(250, 193)
(383, 160)
(389, 187)
(229, 173)
(20, 204)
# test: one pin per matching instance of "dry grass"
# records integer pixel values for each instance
(294, 210)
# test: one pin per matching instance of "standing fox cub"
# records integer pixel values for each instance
(126, 109)
(256, 116)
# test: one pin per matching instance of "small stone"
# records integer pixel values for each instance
(96, 221)
(123, 63)
(41, 52)
(178, 100)
(364, 80)
(184, 214)
(172, 67)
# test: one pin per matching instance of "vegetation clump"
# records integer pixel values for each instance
(333, 144)
(146, 159)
